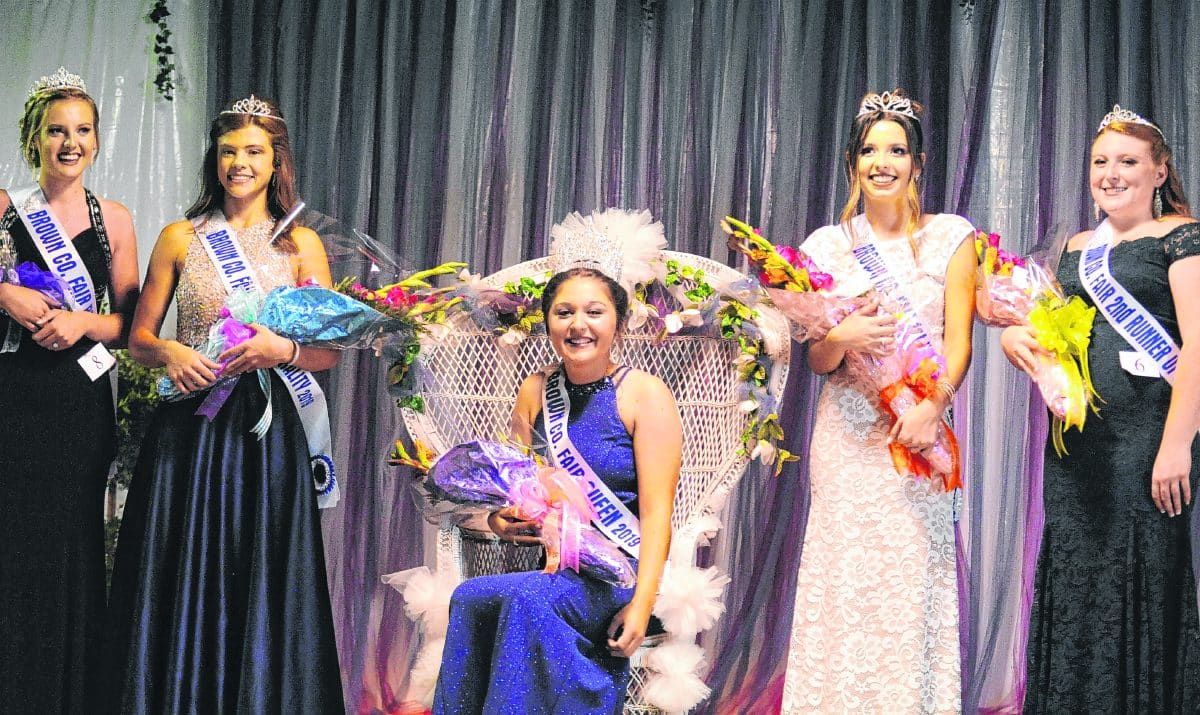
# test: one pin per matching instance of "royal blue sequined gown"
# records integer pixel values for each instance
(531, 642)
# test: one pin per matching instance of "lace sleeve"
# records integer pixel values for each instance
(942, 241)
(1183, 242)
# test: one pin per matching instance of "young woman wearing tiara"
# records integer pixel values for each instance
(219, 600)
(59, 432)
(876, 619)
(538, 643)
(1114, 626)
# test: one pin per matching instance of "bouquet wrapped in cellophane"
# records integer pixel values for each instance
(484, 475)
(791, 279)
(807, 297)
(388, 320)
(1011, 290)
(27, 275)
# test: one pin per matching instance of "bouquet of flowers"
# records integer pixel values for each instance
(1011, 290)
(791, 279)
(806, 296)
(387, 319)
(27, 275)
(489, 475)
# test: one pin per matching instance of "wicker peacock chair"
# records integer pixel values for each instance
(469, 383)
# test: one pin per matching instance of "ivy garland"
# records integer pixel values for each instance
(164, 80)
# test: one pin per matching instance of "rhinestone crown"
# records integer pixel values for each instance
(887, 102)
(254, 106)
(61, 79)
(1124, 115)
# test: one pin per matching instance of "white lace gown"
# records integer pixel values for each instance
(875, 628)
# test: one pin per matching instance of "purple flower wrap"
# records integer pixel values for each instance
(483, 474)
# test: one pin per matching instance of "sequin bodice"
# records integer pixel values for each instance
(598, 433)
(201, 293)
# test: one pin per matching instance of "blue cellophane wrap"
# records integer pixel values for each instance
(316, 315)
(310, 315)
(481, 474)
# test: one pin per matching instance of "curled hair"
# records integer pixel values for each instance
(617, 294)
(1173, 198)
(281, 191)
(858, 136)
(33, 120)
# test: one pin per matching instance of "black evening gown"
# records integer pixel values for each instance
(1114, 625)
(56, 445)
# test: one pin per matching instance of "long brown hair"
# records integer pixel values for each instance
(33, 120)
(281, 191)
(858, 135)
(1173, 198)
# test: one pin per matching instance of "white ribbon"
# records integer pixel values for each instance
(613, 518)
(236, 273)
(314, 415)
(56, 247)
(1124, 313)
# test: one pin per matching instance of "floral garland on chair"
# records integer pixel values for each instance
(679, 299)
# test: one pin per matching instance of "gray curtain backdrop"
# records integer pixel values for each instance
(464, 130)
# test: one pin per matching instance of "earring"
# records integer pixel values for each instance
(1158, 207)
(1096, 211)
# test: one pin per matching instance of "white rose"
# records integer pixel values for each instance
(637, 316)
(512, 336)
(673, 323)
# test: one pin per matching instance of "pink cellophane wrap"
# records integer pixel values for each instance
(812, 314)
(1002, 301)
(888, 372)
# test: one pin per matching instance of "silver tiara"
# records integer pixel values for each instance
(61, 79)
(253, 106)
(886, 102)
(1124, 115)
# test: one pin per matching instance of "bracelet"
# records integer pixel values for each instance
(295, 353)
(946, 388)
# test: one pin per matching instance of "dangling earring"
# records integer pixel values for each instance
(1158, 207)
(1096, 211)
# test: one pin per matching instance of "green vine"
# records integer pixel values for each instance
(164, 80)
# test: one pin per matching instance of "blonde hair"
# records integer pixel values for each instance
(33, 120)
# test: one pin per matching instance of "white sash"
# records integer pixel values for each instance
(221, 244)
(314, 415)
(876, 267)
(235, 271)
(613, 518)
(1124, 313)
(56, 247)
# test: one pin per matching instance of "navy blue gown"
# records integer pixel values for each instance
(534, 643)
(219, 600)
